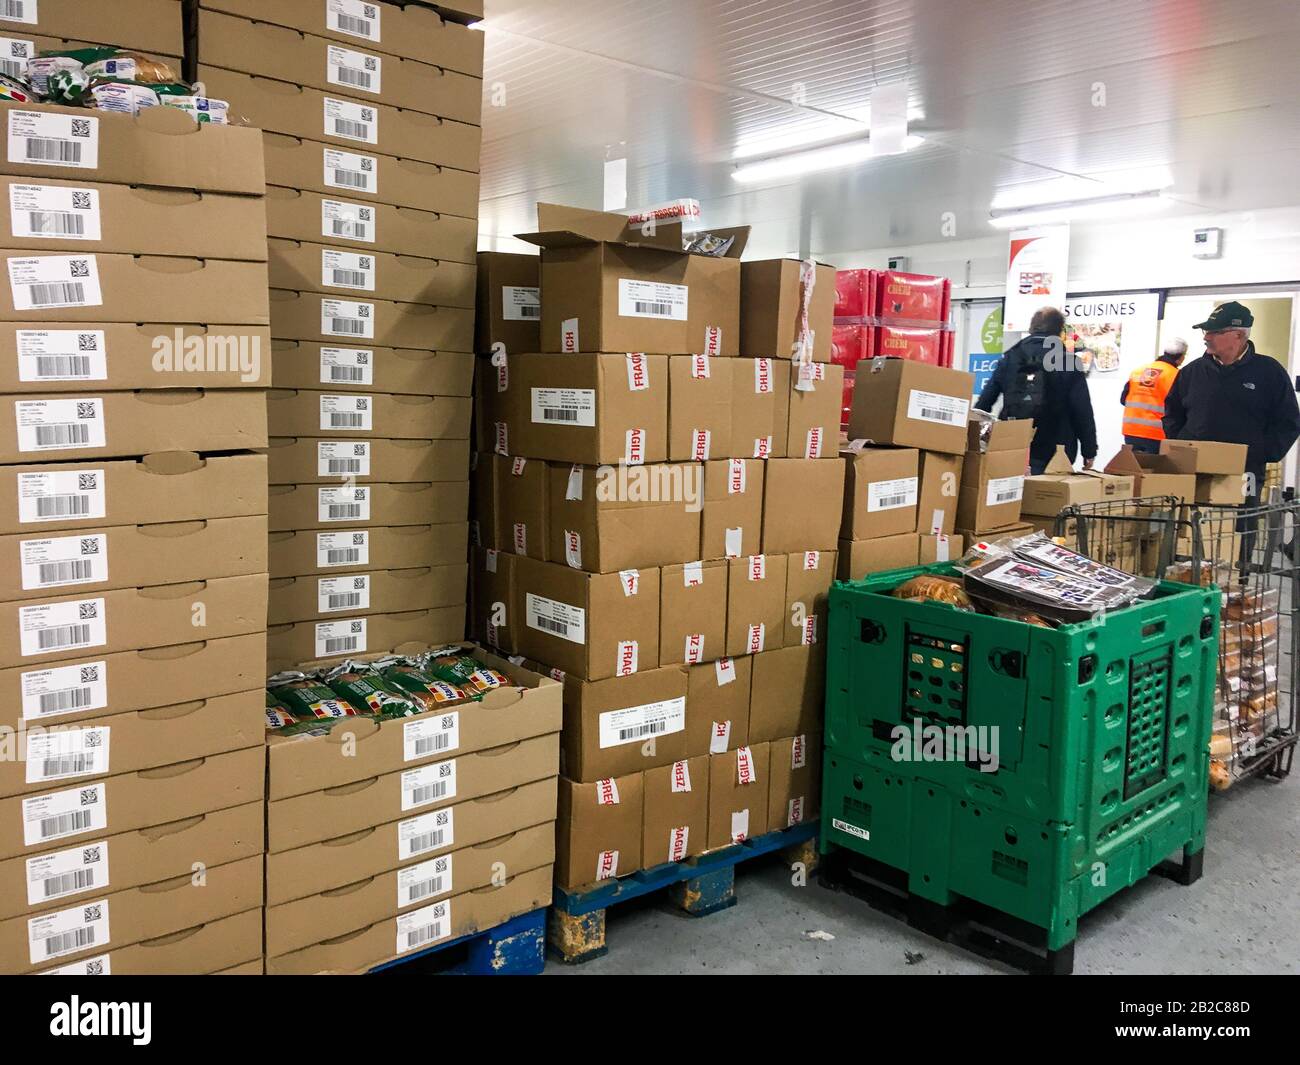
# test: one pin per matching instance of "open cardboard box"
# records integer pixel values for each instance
(1172, 474)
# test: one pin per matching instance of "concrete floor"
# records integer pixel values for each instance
(1243, 916)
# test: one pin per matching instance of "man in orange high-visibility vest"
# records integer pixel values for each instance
(1144, 397)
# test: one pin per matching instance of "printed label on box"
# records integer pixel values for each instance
(607, 792)
(340, 637)
(421, 927)
(813, 444)
(61, 355)
(700, 368)
(519, 303)
(572, 548)
(69, 872)
(626, 658)
(54, 212)
(569, 336)
(15, 51)
(798, 752)
(435, 735)
(345, 269)
(59, 424)
(65, 813)
(353, 122)
(763, 376)
(712, 341)
(573, 490)
(347, 318)
(633, 724)
(652, 299)
(891, 495)
(607, 865)
(1004, 490)
(354, 413)
(342, 593)
(346, 170)
(936, 408)
(740, 825)
(555, 618)
(726, 671)
(64, 690)
(794, 812)
(63, 560)
(634, 448)
(53, 935)
(638, 372)
(735, 477)
(354, 366)
(852, 830)
(720, 737)
(349, 221)
(430, 783)
(808, 633)
(427, 880)
(564, 406)
(941, 548)
(756, 639)
(746, 772)
(694, 648)
(521, 539)
(337, 459)
(67, 753)
(353, 70)
(700, 444)
(425, 833)
(48, 627)
(678, 842)
(343, 504)
(354, 18)
(680, 778)
(49, 281)
(343, 548)
(96, 966)
(762, 447)
(49, 139)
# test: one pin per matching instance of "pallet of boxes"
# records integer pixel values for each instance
(658, 522)
(132, 529)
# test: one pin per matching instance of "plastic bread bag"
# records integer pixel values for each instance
(982, 551)
(934, 589)
(308, 698)
(1041, 549)
(121, 97)
(1022, 614)
(414, 681)
(16, 89)
(1047, 592)
(277, 713)
(362, 686)
(708, 244)
(200, 108)
(59, 75)
(131, 66)
(463, 671)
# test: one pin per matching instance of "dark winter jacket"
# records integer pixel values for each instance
(1066, 414)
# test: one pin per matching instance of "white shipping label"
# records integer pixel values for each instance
(346, 170)
(726, 671)
(942, 552)
(430, 783)
(345, 318)
(51, 281)
(64, 690)
(15, 51)
(573, 490)
(678, 842)
(936, 408)
(49, 627)
(67, 753)
(734, 539)
(348, 413)
(891, 495)
(343, 548)
(65, 813)
(354, 18)
(564, 406)
(555, 618)
(54, 212)
(352, 122)
(852, 830)
(763, 374)
(340, 637)
(62, 355)
(353, 70)
(343, 593)
(69, 872)
(1004, 490)
(337, 459)
(521, 304)
(651, 299)
(345, 269)
(430, 735)
(343, 504)
(680, 780)
(735, 477)
(427, 880)
(625, 660)
(638, 372)
(428, 832)
(936, 521)
(50, 139)
(740, 825)
(54, 935)
(630, 581)
(569, 336)
(634, 448)
(59, 424)
(348, 221)
(720, 737)
(353, 366)
(424, 926)
(633, 724)
(692, 574)
(99, 965)
(63, 560)
(693, 652)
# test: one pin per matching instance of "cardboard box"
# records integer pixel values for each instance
(718, 695)
(881, 489)
(1167, 474)
(795, 772)
(289, 646)
(1221, 489)
(199, 950)
(803, 502)
(509, 303)
(760, 411)
(993, 535)
(772, 299)
(1058, 487)
(397, 371)
(732, 519)
(1114, 486)
(161, 147)
(129, 801)
(941, 548)
(130, 556)
(1210, 456)
(993, 474)
(104, 287)
(383, 591)
(812, 429)
(523, 504)
(940, 488)
(482, 501)
(859, 558)
(283, 107)
(756, 618)
(911, 404)
(591, 625)
(305, 412)
(676, 817)
(699, 408)
(612, 285)
(600, 518)
(807, 589)
(316, 316)
(692, 612)
(313, 506)
(130, 859)
(492, 599)
(151, 25)
(623, 724)
(305, 263)
(134, 740)
(599, 828)
(124, 619)
(738, 795)
(302, 460)
(787, 692)
(298, 553)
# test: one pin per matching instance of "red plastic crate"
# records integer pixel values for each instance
(850, 344)
(918, 343)
(855, 293)
(912, 297)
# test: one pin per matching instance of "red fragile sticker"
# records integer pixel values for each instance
(677, 844)
(638, 372)
(699, 366)
(700, 444)
(694, 652)
(625, 664)
(762, 376)
(517, 466)
(712, 340)
(726, 670)
(736, 477)
(607, 865)
(745, 771)
(762, 447)
(502, 443)
(634, 451)
(811, 560)
(503, 374)
(720, 737)
(607, 792)
(630, 580)
(795, 814)
(681, 777)
(757, 567)
(569, 336)
(798, 752)
(521, 538)
(813, 445)
(557, 674)
(754, 643)
(809, 633)
(572, 548)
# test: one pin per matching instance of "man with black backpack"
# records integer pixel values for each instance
(1037, 378)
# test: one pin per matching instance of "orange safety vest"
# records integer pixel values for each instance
(1145, 406)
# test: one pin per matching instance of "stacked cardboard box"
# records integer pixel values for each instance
(993, 479)
(133, 562)
(1060, 487)
(31, 26)
(371, 116)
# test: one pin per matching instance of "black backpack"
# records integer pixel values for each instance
(1026, 386)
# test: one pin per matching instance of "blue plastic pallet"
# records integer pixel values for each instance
(515, 948)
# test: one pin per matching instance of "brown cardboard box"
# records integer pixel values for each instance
(299, 553)
(676, 818)
(880, 492)
(623, 724)
(803, 502)
(253, 46)
(940, 488)
(315, 316)
(993, 474)
(993, 535)
(787, 693)
(161, 147)
(134, 740)
(111, 424)
(812, 429)
(37, 631)
(621, 517)
(284, 107)
(760, 408)
(911, 404)
(151, 25)
(522, 505)
(599, 829)
(313, 506)
(288, 646)
(304, 412)
(807, 590)
(384, 591)
(1167, 474)
(492, 599)
(731, 525)
(203, 949)
(756, 618)
(794, 771)
(509, 303)
(61, 816)
(1114, 486)
(306, 263)
(1058, 487)
(699, 408)
(297, 163)
(1221, 489)
(738, 795)
(400, 371)
(256, 967)
(484, 531)
(717, 694)
(143, 856)
(941, 548)
(771, 295)
(591, 625)
(302, 460)
(692, 612)
(858, 558)
(130, 556)
(1210, 456)
(1048, 525)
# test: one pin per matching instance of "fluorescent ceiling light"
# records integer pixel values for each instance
(1120, 205)
(1069, 188)
(851, 123)
(830, 157)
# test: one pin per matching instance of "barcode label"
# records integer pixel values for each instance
(336, 459)
(421, 927)
(52, 212)
(428, 880)
(61, 355)
(891, 495)
(69, 872)
(99, 965)
(65, 813)
(76, 752)
(53, 935)
(348, 221)
(353, 70)
(555, 618)
(1004, 490)
(340, 637)
(66, 494)
(14, 54)
(346, 318)
(635, 723)
(940, 409)
(344, 170)
(342, 593)
(64, 560)
(354, 18)
(347, 412)
(342, 549)
(651, 299)
(565, 406)
(430, 783)
(520, 303)
(48, 139)
(351, 365)
(425, 833)
(59, 424)
(434, 735)
(353, 122)
(64, 690)
(344, 269)
(343, 504)
(47, 627)
(19, 11)
(51, 281)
